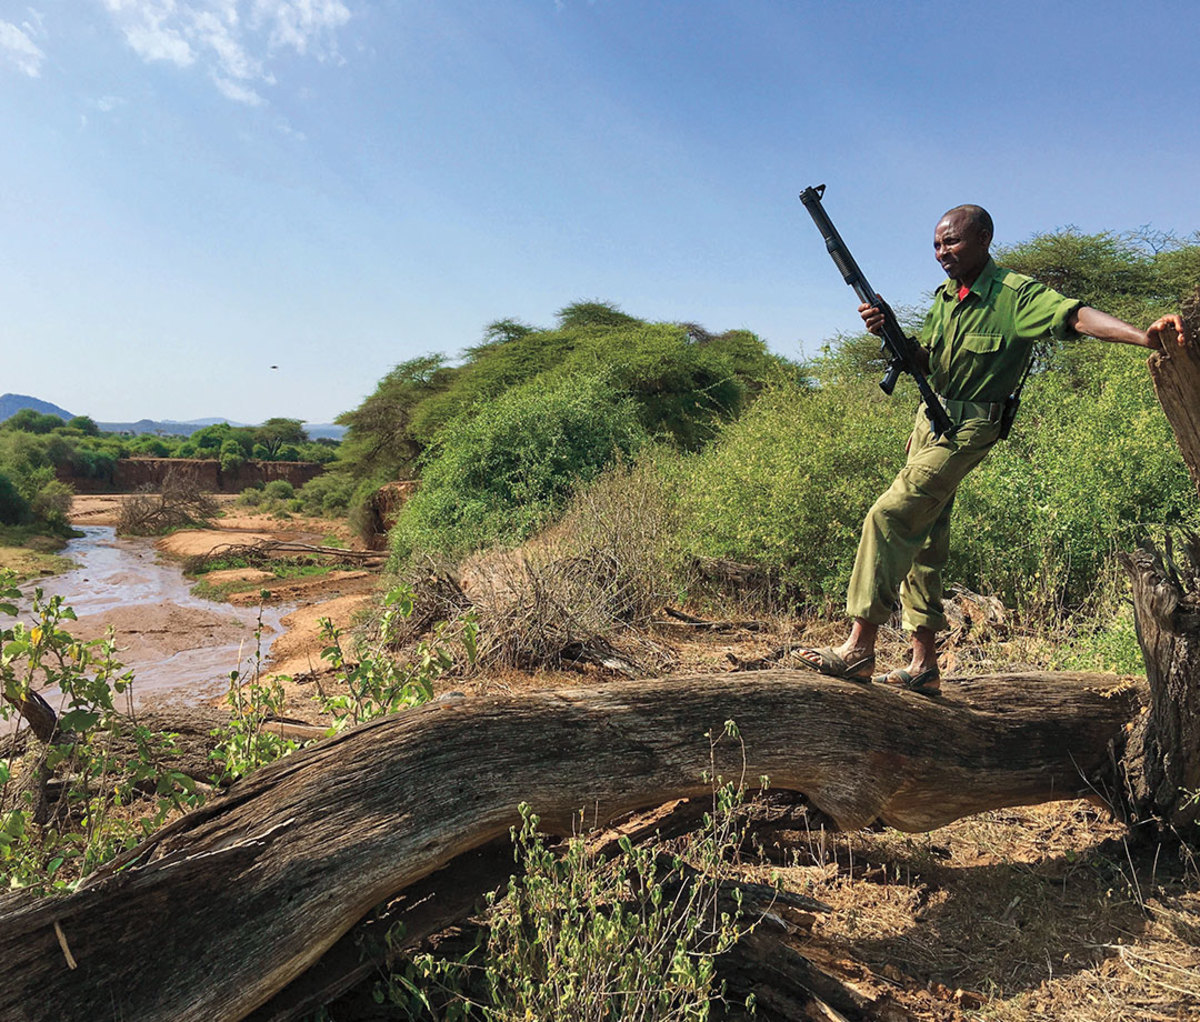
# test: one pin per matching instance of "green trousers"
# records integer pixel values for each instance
(906, 535)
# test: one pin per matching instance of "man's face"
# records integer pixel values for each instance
(961, 249)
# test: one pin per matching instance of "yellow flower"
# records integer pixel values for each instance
(35, 635)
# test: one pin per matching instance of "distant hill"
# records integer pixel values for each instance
(10, 404)
(172, 427)
(164, 427)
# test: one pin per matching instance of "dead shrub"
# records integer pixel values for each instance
(537, 608)
(579, 593)
(179, 503)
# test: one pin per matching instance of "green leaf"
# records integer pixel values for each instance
(79, 720)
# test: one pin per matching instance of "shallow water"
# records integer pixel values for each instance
(181, 649)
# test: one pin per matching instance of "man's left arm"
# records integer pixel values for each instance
(1102, 326)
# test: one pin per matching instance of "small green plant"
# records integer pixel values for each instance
(582, 937)
(108, 798)
(377, 682)
(244, 743)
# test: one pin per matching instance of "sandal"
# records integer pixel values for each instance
(826, 660)
(927, 683)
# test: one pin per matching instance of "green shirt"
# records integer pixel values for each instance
(979, 347)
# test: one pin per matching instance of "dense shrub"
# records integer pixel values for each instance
(506, 469)
(14, 508)
(279, 489)
(327, 494)
(1089, 470)
(787, 485)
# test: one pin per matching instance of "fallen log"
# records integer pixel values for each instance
(210, 917)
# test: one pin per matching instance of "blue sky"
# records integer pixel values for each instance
(193, 191)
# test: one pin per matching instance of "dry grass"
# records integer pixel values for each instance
(1039, 913)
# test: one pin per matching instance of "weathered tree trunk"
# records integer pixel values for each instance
(1176, 376)
(1162, 761)
(214, 914)
(1163, 758)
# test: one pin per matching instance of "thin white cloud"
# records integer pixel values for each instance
(234, 40)
(302, 25)
(19, 50)
(238, 93)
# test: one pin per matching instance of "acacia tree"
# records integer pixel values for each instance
(275, 433)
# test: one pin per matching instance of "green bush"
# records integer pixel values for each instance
(787, 485)
(327, 494)
(14, 508)
(279, 489)
(508, 468)
(53, 503)
(1091, 468)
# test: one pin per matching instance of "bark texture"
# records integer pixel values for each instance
(210, 917)
(1163, 758)
(1176, 375)
(1162, 761)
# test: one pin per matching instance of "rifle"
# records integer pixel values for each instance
(899, 347)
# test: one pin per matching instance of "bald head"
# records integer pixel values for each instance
(974, 218)
(961, 240)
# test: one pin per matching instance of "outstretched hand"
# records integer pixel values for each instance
(1161, 331)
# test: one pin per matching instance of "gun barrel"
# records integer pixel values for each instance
(894, 340)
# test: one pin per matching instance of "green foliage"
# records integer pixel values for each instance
(379, 443)
(52, 503)
(29, 421)
(244, 744)
(101, 811)
(1092, 467)
(500, 473)
(274, 434)
(327, 494)
(377, 682)
(279, 489)
(682, 379)
(580, 937)
(1121, 274)
(84, 424)
(14, 508)
(232, 454)
(787, 484)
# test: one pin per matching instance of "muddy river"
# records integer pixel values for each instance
(181, 648)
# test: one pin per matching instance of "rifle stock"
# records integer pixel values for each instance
(894, 342)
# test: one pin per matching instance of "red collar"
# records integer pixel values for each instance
(963, 292)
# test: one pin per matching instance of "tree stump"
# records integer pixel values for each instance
(1162, 760)
(1175, 373)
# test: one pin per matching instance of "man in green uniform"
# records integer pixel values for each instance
(978, 338)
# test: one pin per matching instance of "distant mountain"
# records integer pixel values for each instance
(172, 427)
(10, 404)
(163, 427)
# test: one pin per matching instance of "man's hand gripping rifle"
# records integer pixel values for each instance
(899, 347)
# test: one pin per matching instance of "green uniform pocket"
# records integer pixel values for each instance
(981, 344)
